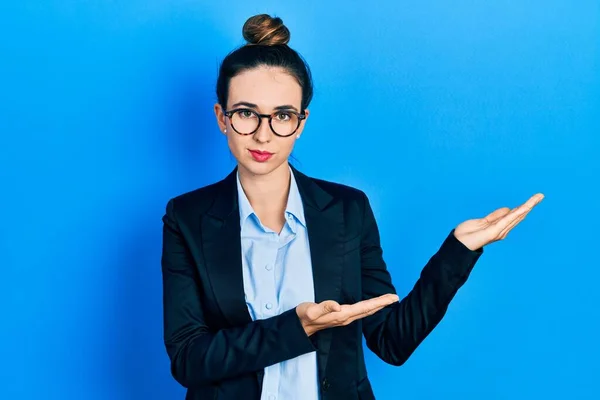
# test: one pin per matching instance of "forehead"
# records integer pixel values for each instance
(266, 87)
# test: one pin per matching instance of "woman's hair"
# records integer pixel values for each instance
(267, 39)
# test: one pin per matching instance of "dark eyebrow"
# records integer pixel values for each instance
(252, 105)
(286, 107)
(245, 104)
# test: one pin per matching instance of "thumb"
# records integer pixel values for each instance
(496, 215)
(330, 306)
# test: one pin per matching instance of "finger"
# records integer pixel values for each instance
(319, 310)
(508, 219)
(377, 302)
(496, 215)
(344, 313)
(365, 306)
(348, 317)
(512, 225)
(364, 315)
(331, 306)
(351, 312)
(533, 201)
(511, 218)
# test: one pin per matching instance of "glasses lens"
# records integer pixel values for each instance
(244, 121)
(284, 123)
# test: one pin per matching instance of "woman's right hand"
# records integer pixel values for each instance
(328, 314)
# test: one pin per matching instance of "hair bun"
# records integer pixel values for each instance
(265, 30)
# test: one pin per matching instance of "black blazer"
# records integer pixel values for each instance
(218, 352)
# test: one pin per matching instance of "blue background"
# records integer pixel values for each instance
(440, 111)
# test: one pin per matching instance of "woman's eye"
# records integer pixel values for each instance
(283, 116)
(245, 114)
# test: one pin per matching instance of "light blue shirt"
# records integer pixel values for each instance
(277, 277)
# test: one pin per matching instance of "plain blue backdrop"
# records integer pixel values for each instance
(440, 111)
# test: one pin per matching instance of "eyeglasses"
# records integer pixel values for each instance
(283, 123)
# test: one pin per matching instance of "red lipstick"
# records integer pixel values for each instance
(260, 156)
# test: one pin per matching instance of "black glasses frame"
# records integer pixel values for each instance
(260, 117)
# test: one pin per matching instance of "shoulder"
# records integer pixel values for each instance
(219, 196)
(349, 203)
(340, 191)
(198, 198)
(351, 198)
(195, 202)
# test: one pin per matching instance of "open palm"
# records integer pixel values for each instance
(476, 233)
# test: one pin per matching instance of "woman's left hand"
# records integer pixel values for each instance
(476, 233)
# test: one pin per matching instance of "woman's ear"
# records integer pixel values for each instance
(219, 113)
(301, 127)
(306, 112)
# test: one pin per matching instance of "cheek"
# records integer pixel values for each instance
(287, 145)
(234, 147)
(235, 141)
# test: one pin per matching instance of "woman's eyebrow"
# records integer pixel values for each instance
(252, 105)
(286, 107)
(245, 104)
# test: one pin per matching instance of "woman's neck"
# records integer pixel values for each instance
(267, 193)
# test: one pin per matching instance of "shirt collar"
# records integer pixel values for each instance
(294, 203)
(245, 207)
(293, 207)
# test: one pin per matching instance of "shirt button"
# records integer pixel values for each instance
(268, 267)
(272, 397)
(268, 306)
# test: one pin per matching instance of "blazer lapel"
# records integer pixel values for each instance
(223, 252)
(325, 226)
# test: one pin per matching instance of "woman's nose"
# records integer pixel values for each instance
(263, 134)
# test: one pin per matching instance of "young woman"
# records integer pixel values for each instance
(271, 278)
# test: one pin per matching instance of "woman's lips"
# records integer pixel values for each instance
(260, 156)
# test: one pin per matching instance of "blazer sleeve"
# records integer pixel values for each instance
(394, 333)
(200, 355)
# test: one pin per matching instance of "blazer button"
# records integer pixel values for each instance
(325, 384)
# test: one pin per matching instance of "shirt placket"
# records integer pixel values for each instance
(269, 308)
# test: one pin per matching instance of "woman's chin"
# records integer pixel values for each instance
(261, 168)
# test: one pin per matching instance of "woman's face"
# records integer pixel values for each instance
(263, 90)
